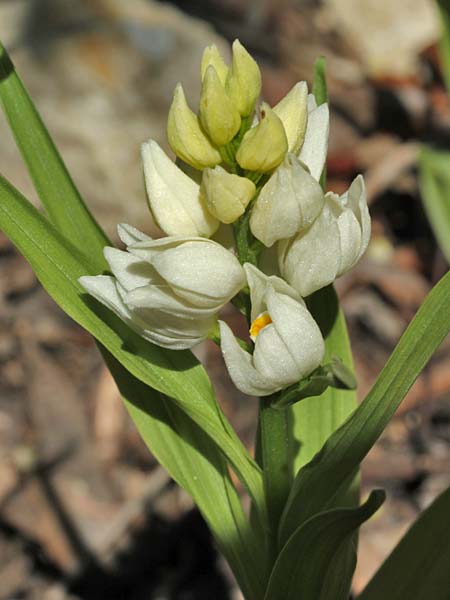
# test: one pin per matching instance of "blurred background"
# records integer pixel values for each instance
(85, 512)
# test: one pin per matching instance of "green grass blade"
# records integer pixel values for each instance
(195, 463)
(53, 183)
(434, 170)
(320, 481)
(308, 565)
(176, 374)
(418, 568)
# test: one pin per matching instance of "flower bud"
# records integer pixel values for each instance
(244, 80)
(169, 290)
(212, 56)
(288, 342)
(288, 203)
(226, 195)
(293, 112)
(186, 137)
(331, 246)
(218, 116)
(174, 198)
(265, 145)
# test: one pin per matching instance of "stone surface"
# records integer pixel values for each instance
(387, 35)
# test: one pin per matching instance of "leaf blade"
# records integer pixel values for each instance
(195, 463)
(58, 267)
(417, 568)
(305, 567)
(320, 481)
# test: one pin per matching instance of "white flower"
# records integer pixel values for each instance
(168, 290)
(288, 203)
(174, 198)
(332, 245)
(288, 342)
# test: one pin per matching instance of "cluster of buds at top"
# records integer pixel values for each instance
(243, 163)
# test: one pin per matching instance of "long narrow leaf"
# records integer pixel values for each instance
(321, 480)
(53, 183)
(306, 567)
(194, 462)
(175, 374)
(418, 567)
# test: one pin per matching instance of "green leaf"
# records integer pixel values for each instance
(444, 9)
(418, 568)
(435, 188)
(195, 463)
(177, 374)
(53, 183)
(309, 565)
(322, 480)
(320, 89)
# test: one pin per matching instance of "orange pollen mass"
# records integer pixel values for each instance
(259, 323)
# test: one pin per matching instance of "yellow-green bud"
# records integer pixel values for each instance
(244, 80)
(218, 116)
(226, 195)
(212, 56)
(293, 112)
(265, 145)
(186, 137)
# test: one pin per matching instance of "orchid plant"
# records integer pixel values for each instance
(245, 220)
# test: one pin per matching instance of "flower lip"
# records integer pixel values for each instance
(258, 324)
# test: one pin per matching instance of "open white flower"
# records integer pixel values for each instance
(332, 245)
(288, 342)
(288, 203)
(168, 290)
(174, 198)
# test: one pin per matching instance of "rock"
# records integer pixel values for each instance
(387, 36)
(102, 75)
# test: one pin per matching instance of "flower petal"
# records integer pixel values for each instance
(357, 201)
(258, 283)
(314, 150)
(174, 198)
(299, 331)
(288, 203)
(293, 112)
(311, 260)
(130, 235)
(273, 359)
(162, 298)
(240, 366)
(131, 271)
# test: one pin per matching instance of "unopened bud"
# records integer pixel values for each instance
(226, 195)
(218, 116)
(265, 145)
(186, 137)
(244, 80)
(212, 56)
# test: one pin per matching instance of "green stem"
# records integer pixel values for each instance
(275, 457)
